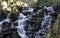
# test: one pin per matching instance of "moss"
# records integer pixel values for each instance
(55, 31)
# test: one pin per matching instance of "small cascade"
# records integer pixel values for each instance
(37, 22)
(21, 24)
(46, 23)
(6, 20)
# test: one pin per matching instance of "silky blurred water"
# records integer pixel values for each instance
(21, 20)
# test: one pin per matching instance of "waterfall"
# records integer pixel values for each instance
(46, 23)
(21, 21)
(6, 20)
(21, 24)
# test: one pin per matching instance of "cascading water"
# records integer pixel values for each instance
(46, 23)
(6, 20)
(21, 24)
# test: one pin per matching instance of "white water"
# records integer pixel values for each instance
(46, 22)
(22, 18)
(6, 20)
(21, 24)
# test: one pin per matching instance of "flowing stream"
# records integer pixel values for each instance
(21, 20)
(46, 23)
(21, 24)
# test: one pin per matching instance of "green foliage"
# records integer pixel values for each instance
(49, 2)
(45, 2)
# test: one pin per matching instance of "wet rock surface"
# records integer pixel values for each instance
(29, 24)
